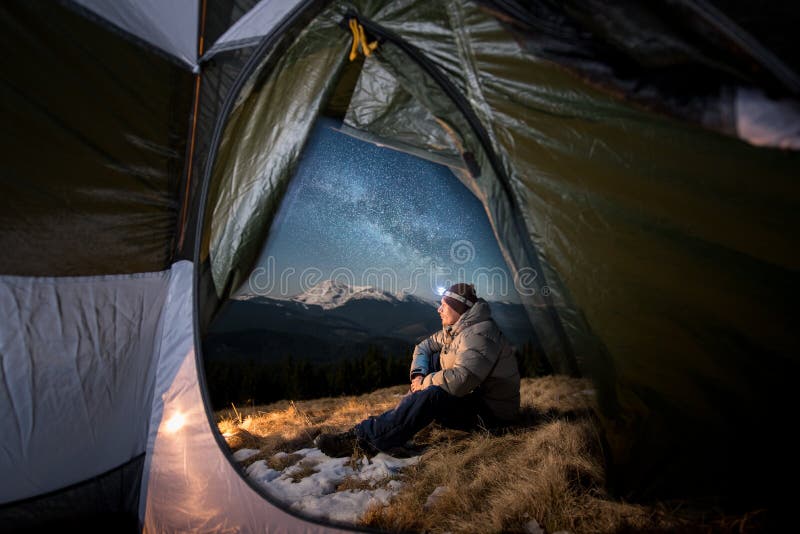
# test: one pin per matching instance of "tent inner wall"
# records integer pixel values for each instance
(216, 80)
(94, 148)
(108, 502)
(220, 67)
(676, 244)
(191, 483)
(261, 144)
(77, 367)
(168, 26)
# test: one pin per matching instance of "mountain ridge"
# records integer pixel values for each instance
(333, 317)
(330, 294)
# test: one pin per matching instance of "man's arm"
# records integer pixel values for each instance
(421, 359)
(471, 368)
(416, 383)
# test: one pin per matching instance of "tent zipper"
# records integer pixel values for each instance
(465, 108)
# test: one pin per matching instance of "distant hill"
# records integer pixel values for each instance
(333, 320)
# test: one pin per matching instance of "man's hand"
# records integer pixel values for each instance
(416, 383)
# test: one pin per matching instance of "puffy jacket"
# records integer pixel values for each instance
(473, 352)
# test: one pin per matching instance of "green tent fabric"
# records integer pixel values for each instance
(262, 143)
(103, 200)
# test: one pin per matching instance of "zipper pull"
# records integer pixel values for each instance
(360, 38)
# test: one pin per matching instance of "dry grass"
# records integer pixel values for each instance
(359, 484)
(549, 468)
(303, 470)
(287, 426)
(279, 463)
(499, 483)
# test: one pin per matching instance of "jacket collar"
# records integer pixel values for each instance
(478, 313)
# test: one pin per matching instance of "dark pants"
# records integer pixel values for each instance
(416, 411)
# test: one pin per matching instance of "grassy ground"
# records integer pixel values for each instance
(548, 471)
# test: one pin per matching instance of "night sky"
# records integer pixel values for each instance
(354, 208)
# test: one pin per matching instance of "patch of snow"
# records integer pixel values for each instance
(315, 494)
(434, 496)
(243, 454)
(260, 472)
(342, 505)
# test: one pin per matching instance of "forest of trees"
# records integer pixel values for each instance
(251, 382)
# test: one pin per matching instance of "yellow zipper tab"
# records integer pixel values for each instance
(360, 38)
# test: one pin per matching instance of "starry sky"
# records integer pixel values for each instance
(368, 215)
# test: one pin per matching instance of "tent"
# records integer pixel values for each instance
(638, 165)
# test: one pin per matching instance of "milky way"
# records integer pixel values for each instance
(353, 208)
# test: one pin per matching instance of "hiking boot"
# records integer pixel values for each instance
(341, 444)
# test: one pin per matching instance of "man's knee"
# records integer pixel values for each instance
(436, 398)
(429, 395)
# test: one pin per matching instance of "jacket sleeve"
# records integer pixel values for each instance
(421, 359)
(473, 363)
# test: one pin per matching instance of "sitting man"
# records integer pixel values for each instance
(462, 377)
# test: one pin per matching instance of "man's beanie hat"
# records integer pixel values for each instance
(460, 297)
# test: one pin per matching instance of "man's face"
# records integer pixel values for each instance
(449, 315)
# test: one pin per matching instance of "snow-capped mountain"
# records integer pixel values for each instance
(332, 316)
(335, 307)
(331, 294)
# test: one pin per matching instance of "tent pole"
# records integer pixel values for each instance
(193, 136)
